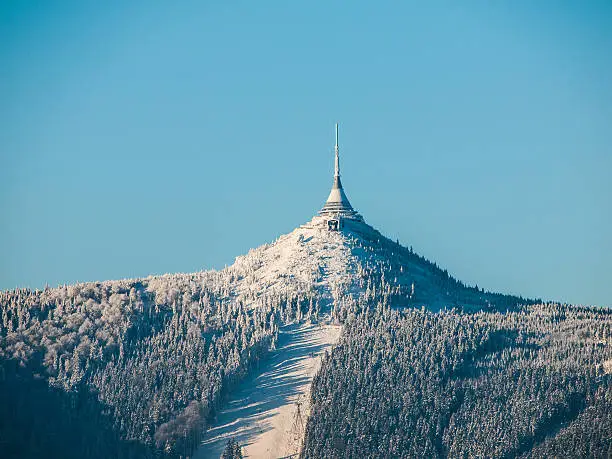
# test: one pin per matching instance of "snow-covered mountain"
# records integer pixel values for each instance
(354, 263)
(332, 275)
(162, 352)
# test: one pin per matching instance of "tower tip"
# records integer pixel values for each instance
(337, 159)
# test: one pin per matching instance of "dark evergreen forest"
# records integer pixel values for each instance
(535, 383)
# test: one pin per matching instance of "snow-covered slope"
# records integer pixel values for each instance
(267, 414)
(309, 259)
(356, 262)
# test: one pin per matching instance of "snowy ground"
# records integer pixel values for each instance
(262, 413)
(308, 257)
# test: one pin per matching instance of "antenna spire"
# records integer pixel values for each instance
(337, 161)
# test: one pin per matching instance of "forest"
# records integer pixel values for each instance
(535, 382)
(140, 366)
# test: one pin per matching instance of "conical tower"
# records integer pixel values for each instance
(337, 206)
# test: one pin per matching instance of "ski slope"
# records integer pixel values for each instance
(262, 415)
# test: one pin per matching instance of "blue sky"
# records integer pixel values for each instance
(173, 136)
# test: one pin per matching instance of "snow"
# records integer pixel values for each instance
(308, 257)
(261, 412)
(261, 415)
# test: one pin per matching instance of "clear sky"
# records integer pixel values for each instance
(173, 136)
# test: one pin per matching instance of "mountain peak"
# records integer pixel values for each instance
(351, 262)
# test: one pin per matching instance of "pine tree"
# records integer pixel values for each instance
(232, 450)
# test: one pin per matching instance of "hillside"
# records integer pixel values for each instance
(356, 265)
(157, 359)
(267, 414)
(530, 383)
